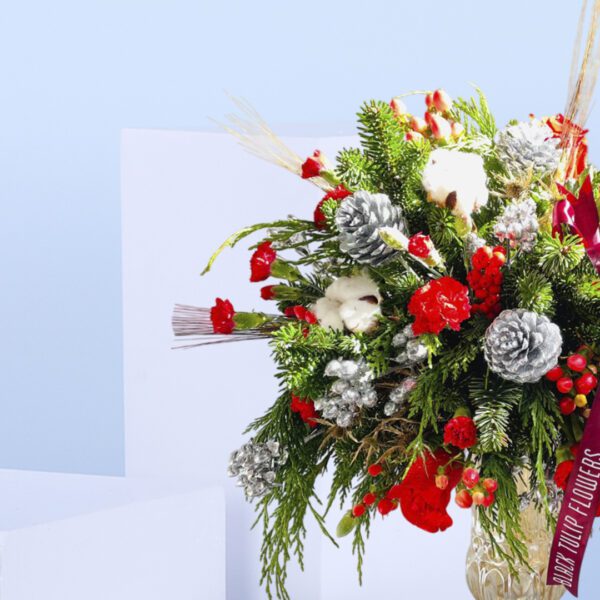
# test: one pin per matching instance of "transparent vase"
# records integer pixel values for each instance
(489, 577)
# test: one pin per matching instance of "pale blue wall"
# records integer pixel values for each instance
(74, 73)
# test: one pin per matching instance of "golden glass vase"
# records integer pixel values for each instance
(489, 577)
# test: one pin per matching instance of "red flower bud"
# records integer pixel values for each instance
(457, 130)
(313, 165)
(429, 100)
(441, 482)
(358, 510)
(418, 124)
(386, 506)
(442, 101)
(369, 498)
(375, 470)
(420, 245)
(413, 136)
(267, 292)
(440, 127)
(398, 107)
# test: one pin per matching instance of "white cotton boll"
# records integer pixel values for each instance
(456, 180)
(348, 288)
(327, 313)
(359, 315)
(353, 302)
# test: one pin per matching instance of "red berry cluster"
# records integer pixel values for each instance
(486, 280)
(575, 380)
(385, 502)
(475, 491)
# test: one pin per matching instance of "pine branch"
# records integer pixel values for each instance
(356, 170)
(495, 400)
(558, 257)
(476, 115)
(535, 293)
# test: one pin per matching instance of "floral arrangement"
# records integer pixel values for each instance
(435, 325)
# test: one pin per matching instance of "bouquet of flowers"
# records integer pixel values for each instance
(435, 325)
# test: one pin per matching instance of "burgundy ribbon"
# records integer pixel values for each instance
(582, 496)
(579, 507)
(580, 214)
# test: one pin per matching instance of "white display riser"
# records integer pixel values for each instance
(183, 194)
(81, 537)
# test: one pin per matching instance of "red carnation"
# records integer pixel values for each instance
(267, 292)
(221, 315)
(460, 432)
(313, 165)
(261, 261)
(423, 503)
(338, 193)
(440, 303)
(419, 245)
(305, 408)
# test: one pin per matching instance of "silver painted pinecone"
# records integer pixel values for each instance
(528, 146)
(399, 395)
(359, 219)
(255, 465)
(521, 345)
(411, 350)
(518, 225)
(351, 391)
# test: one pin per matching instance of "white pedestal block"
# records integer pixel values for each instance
(79, 537)
(183, 194)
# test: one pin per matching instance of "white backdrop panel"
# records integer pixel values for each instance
(183, 194)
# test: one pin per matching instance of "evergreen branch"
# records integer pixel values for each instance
(494, 400)
(558, 257)
(475, 115)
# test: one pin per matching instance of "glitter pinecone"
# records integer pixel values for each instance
(411, 350)
(359, 219)
(522, 346)
(518, 225)
(526, 146)
(255, 465)
(351, 391)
